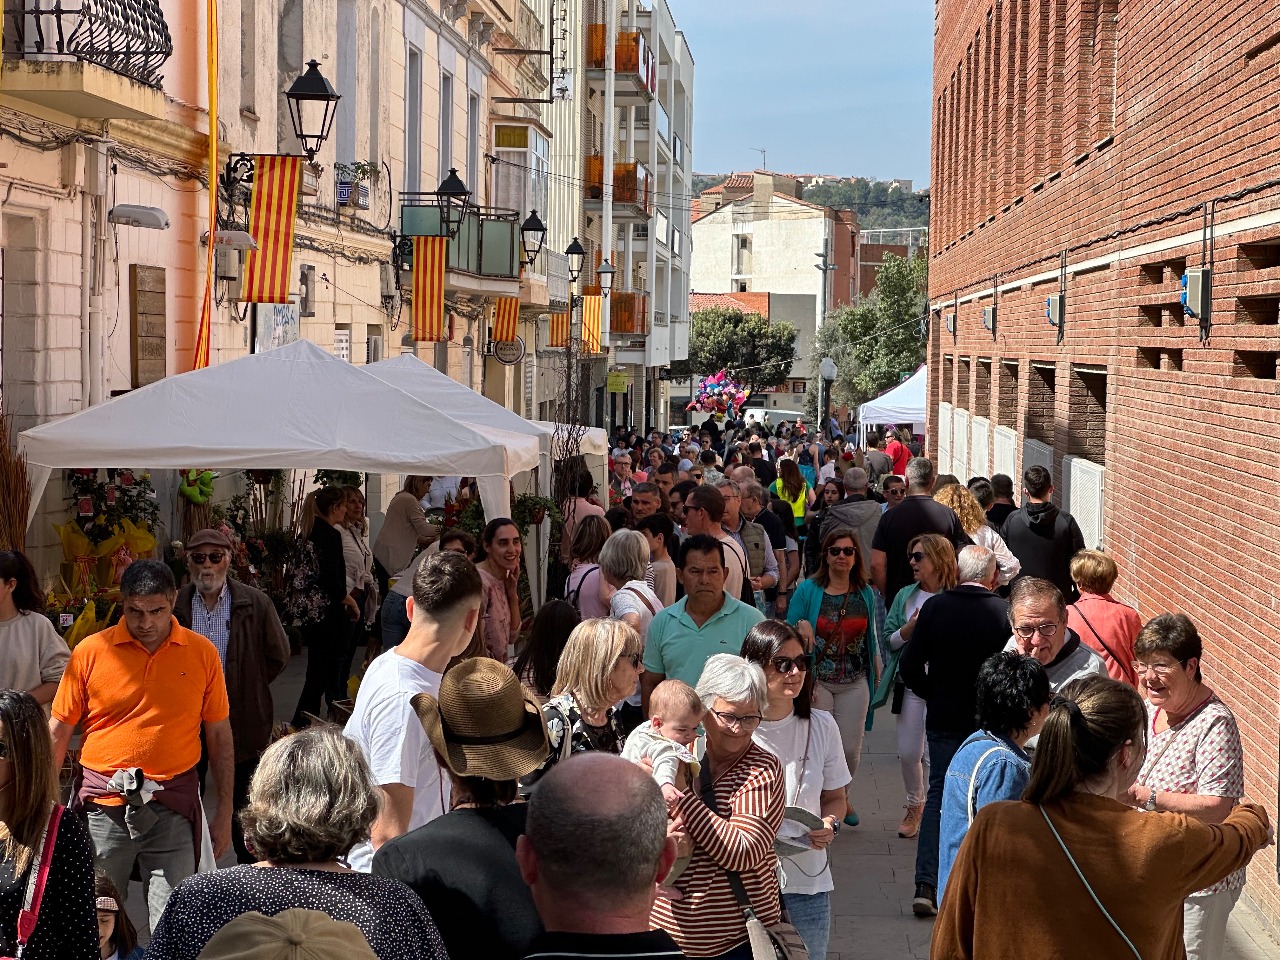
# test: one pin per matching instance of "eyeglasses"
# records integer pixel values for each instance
(735, 722)
(1044, 629)
(915, 557)
(215, 557)
(696, 476)
(1159, 669)
(837, 551)
(635, 658)
(895, 491)
(787, 664)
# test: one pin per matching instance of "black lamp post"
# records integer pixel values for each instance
(312, 108)
(453, 196)
(533, 234)
(577, 255)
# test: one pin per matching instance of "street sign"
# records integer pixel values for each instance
(617, 383)
(509, 352)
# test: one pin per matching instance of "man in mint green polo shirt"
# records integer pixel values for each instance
(706, 621)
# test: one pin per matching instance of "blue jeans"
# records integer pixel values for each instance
(395, 621)
(942, 747)
(810, 914)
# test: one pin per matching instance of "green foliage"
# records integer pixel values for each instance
(756, 353)
(339, 478)
(876, 344)
(122, 495)
(705, 181)
(878, 207)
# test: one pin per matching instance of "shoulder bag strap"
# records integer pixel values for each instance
(973, 780)
(1126, 667)
(1111, 920)
(643, 599)
(30, 912)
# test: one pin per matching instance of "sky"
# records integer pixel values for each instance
(824, 86)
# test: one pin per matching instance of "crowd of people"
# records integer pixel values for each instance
(660, 760)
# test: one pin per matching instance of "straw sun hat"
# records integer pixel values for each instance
(483, 723)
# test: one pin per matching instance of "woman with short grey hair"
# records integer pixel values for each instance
(624, 560)
(311, 800)
(732, 816)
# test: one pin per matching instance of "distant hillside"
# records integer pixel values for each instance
(705, 181)
(877, 205)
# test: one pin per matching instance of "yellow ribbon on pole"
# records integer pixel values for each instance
(205, 331)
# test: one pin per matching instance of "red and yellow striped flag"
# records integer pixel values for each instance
(592, 308)
(430, 255)
(558, 336)
(506, 319)
(271, 217)
(204, 332)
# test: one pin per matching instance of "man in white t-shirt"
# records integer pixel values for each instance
(443, 611)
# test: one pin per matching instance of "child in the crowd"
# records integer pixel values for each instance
(117, 938)
(665, 741)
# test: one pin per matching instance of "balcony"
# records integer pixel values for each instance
(484, 258)
(99, 60)
(628, 312)
(636, 68)
(632, 189)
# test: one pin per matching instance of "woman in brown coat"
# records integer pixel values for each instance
(1071, 870)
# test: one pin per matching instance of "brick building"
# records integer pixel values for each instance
(1086, 149)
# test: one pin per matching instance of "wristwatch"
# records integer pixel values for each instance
(1150, 805)
(835, 826)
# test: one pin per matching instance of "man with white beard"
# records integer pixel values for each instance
(241, 622)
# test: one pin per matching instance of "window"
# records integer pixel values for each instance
(373, 348)
(1087, 434)
(473, 142)
(248, 55)
(446, 124)
(520, 180)
(412, 119)
(1040, 403)
(375, 86)
(342, 344)
(347, 78)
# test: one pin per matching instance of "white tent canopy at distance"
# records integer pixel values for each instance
(297, 407)
(902, 405)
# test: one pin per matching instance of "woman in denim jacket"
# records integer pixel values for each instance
(1013, 700)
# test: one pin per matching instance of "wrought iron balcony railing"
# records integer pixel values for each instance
(128, 37)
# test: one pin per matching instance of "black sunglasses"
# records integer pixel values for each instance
(915, 557)
(836, 551)
(787, 664)
(635, 658)
(214, 557)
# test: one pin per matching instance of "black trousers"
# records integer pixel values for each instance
(328, 652)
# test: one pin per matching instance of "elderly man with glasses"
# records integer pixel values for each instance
(1038, 616)
(242, 624)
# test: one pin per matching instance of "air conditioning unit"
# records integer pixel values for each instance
(226, 263)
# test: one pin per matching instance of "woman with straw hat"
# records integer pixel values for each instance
(489, 732)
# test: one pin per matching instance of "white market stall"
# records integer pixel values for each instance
(906, 403)
(297, 407)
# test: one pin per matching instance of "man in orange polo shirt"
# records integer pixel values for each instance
(142, 692)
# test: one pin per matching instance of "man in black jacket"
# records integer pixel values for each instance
(1042, 537)
(954, 633)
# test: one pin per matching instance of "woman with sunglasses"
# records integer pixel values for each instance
(600, 666)
(933, 563)
(834, 610)
(66, 923)
(807, 744)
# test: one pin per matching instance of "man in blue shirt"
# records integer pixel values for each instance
(705, 622)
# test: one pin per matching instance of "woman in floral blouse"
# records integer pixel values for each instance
(1194, 764)
(599, 667)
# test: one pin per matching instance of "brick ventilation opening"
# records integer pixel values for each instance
(1007, 401)
(962, 385)
(1041, 385)
(1087, 436)
(948, 379)
(982, 389)
(1259, 364)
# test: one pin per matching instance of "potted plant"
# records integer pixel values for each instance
(353, 191)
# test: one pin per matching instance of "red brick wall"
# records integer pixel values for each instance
(871, 258)
(1057, 126)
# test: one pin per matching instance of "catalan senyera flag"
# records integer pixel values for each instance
(506, 319)
(592, 308)
(272, 210)
(430, 255)
(559, 332)
(204, 331)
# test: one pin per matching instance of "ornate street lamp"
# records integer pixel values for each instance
(312, 108)
(605, 273)
(577, 255)
(533, 233)
(453, 196)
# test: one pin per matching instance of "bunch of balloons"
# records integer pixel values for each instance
(718, 395)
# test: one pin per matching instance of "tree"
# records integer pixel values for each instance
(756, 353)
(876, 344)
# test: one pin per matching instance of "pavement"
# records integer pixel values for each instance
(874, 868)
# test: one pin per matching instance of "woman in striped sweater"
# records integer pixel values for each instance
(732, 816)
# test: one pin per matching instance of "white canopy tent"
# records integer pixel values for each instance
(903, 404)
(296, 407)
